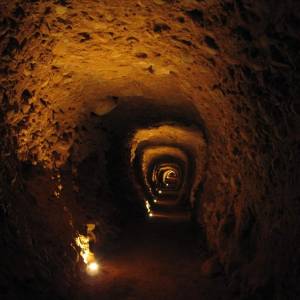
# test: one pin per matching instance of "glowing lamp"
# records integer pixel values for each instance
(92, 268)
(160, 192)
(83, 242)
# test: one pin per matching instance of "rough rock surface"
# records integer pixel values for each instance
(64, 64)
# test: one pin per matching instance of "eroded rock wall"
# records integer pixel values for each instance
(237, 62)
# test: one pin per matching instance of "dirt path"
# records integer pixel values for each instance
(160, 259)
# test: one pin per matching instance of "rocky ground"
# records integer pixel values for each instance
(160, 259)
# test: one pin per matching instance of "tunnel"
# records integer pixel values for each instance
(149, 149)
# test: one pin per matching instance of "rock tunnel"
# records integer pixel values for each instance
(149, 149)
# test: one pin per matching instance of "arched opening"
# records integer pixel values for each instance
(149, 149)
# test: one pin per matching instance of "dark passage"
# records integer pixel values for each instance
(149, 149)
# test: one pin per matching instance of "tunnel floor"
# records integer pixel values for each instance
(159, 259)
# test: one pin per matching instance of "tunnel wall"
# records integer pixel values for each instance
(237, 62)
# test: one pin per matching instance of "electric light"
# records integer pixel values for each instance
(160, 192)
(83, 242)
(155, 201)
(92, 268)
(148, 207)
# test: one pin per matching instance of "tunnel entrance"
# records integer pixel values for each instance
(167, 178)
(141, 132)
(155, 163)
(120, 121)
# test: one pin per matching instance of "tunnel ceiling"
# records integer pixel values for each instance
(92, 82)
